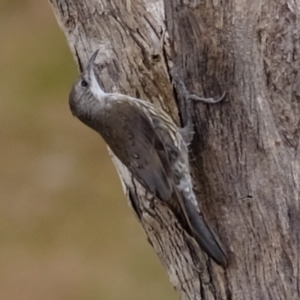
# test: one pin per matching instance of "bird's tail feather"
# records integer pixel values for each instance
(205, 236)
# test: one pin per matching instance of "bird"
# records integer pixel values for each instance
(153, 148)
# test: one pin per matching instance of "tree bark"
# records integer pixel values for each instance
(245, 154)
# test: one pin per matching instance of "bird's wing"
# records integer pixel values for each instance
(139, 147)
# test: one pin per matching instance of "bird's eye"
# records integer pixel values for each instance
(83, 83)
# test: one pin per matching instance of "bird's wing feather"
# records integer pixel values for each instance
(142, 150)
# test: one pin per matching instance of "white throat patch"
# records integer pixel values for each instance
(95, 88)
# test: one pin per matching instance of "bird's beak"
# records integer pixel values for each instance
(90, 64)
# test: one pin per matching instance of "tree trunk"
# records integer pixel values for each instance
(245, 153)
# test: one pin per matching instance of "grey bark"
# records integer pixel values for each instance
(245, 154)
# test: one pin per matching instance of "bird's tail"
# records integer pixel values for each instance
(204, 235)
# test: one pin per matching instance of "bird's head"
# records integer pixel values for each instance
(86, 92)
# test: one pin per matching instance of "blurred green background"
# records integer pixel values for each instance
(66, 231)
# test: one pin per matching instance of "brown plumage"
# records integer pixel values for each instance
(151, 146)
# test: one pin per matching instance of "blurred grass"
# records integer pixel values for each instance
(66, 231)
